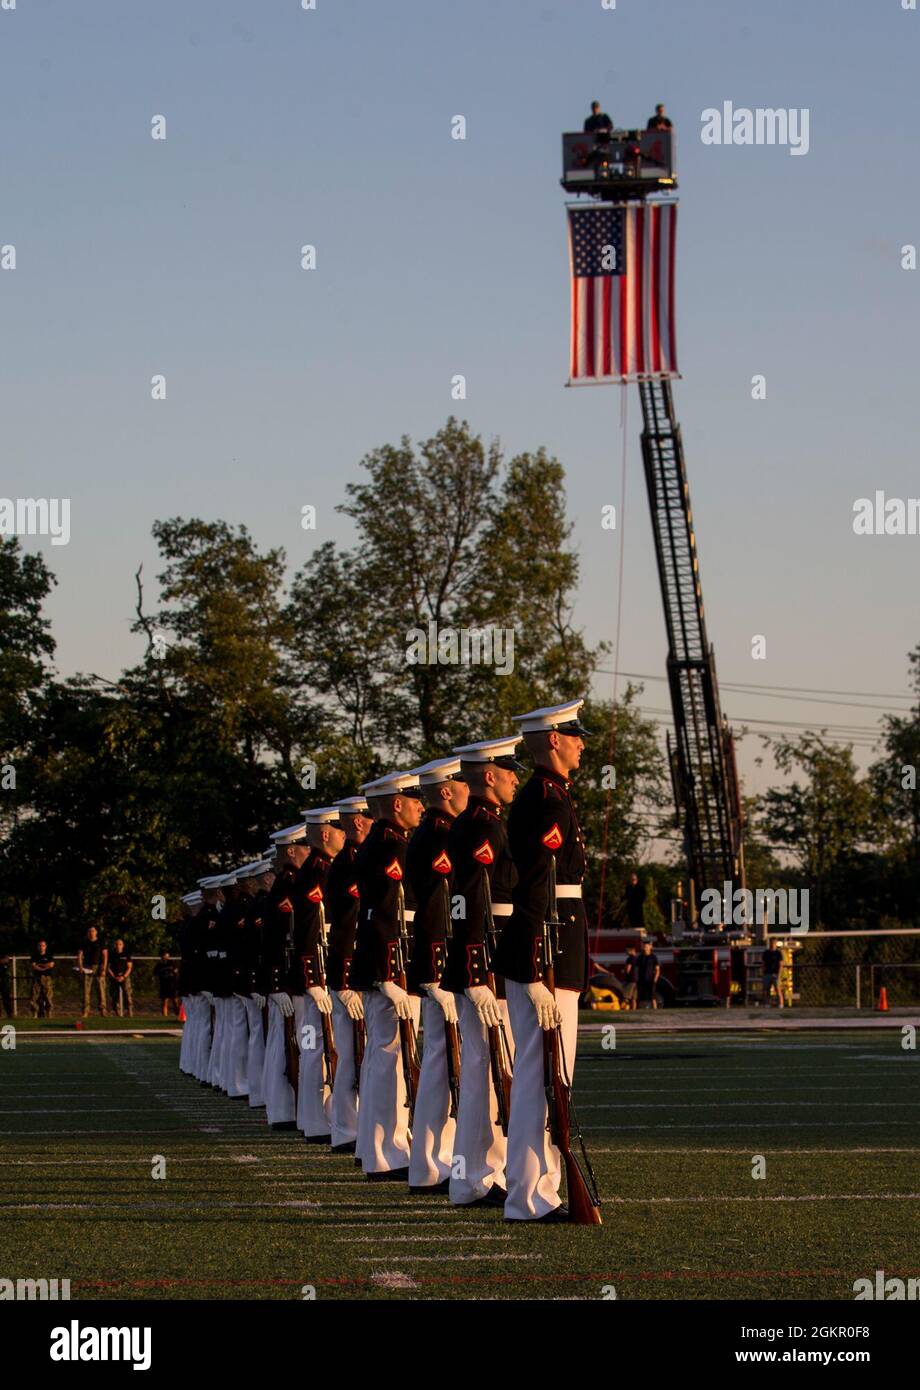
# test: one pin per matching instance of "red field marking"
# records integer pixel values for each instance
(606, 1275)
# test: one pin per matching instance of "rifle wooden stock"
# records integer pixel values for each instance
(408, 1044)
(330, 1056)
(499, 1052)
(291, 1054)
(583, 1201)
(452, 1041)
(359, 1029)
(451, 1030)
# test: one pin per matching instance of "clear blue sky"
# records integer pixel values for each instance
(435, 257)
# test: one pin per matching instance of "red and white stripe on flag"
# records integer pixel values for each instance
(623, 320)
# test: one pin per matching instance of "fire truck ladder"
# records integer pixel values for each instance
(701, 757)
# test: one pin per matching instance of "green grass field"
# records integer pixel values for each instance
(672, 1126)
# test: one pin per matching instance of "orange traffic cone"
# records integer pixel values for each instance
(181, 1013)
(882, 1005)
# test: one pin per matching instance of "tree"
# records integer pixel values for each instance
(821, 820)
(639, 799)
(895, 776)
(450, 540)
(26, 643)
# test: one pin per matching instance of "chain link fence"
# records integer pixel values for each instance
(67, 989)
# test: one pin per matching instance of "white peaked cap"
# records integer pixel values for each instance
(289, 835)
(491, 750)
(393, 784)
(322, 815)
(352, 806)
(437, 771)
(212, 881)
(227, 881)
(248, 870)
(563, 718)
(266, 866)
(192, 898)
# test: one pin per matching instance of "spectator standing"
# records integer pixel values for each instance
(91, 963)
(629, 979)
(6, 979)
(647, 973)
(166, 971)
(772, 975)
(635, 902)
(659, 121)
(42, 981)
(119, 970)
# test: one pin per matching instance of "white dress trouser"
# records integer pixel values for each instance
(479, 1144)
(186, 1047)
(235, 1063)
(432, 1128)
(214, 1075)
(534, 1166)
(312, 1094)
(203, 1041)
(255, 1054)
(276, 1089)
(383, 1119)
(343, 1112)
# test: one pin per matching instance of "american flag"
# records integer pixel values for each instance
(622, 292)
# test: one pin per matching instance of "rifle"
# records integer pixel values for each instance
(451, 1031)
(499, 1051)
(330, 1056)
(408, 1045)
(291, 1045)
(359, 1030)
(561, 1120)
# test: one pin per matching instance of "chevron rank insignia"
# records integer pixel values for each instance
(353, 890)
(442, 864)
(393, 871)
(315, 895)
(484, 853)
(553, 837)
(285, 905)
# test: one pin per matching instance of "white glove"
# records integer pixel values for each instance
(284, 1003)
(485, 1003)
(258, 1000)
(446, 999)
(206, 994)
(397, 997)
(353, 1003)
(544, 1002)
(320, 998)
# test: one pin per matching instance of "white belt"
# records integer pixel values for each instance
(568, 890)
(409, 914)
(502, 909)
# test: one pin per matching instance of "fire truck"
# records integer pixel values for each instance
(698, 965)
(704, 968)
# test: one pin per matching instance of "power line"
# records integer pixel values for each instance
(773, 691)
